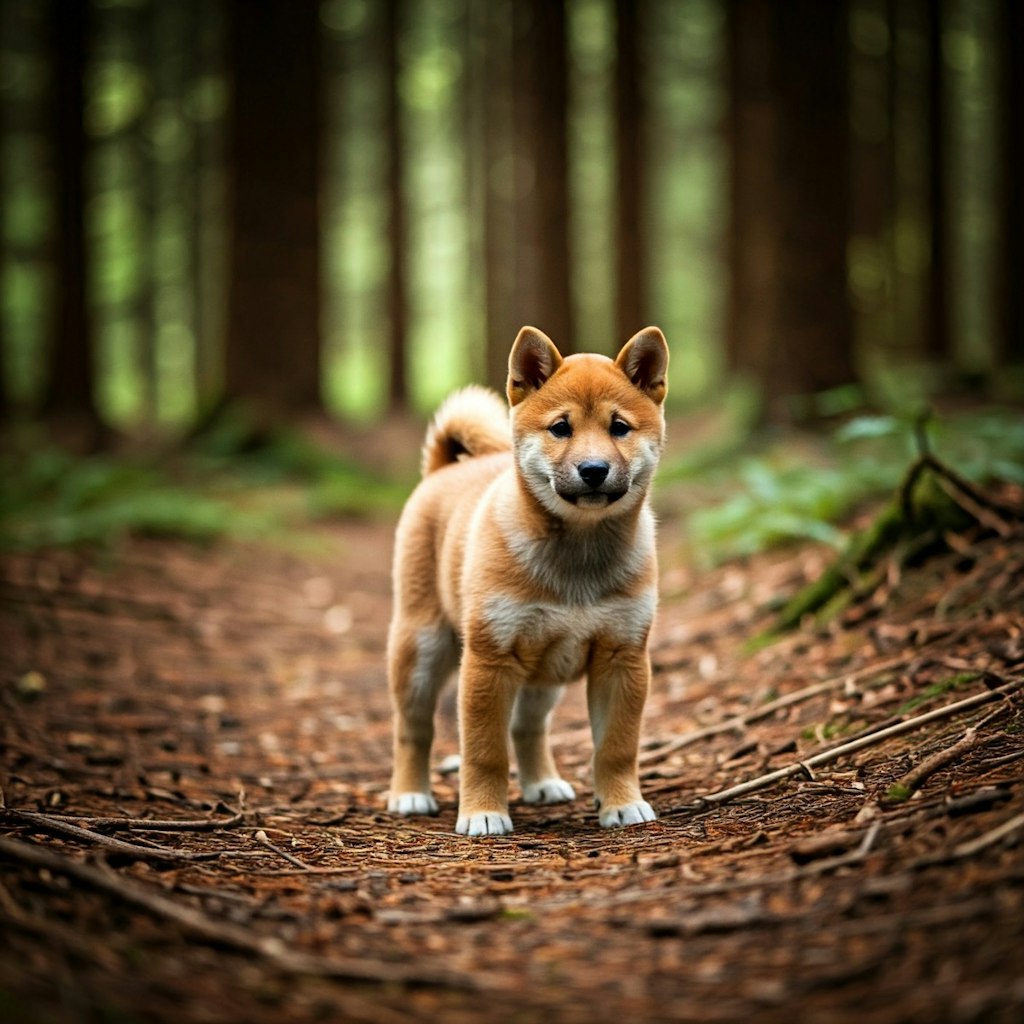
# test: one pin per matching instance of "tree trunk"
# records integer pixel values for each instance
(499, 187)
(814, 324)
(69, 395)
(791, 325)
(752, 127)
(873, 162)
(631, 180)
(273, 336)
(1010, 240)
(541, 95)
(148, 30)
(206, 232)
(937, 335)
(397, 295)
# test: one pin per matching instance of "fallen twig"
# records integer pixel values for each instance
(152, 824)
(739, 722)
(808, 870)
(806, 766)
(987, 839)
(931, 502)
(61, 827)
(223, 933)
(261, 837)
(919, 774)
(970, 847)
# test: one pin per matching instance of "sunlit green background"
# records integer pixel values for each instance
(156, 211)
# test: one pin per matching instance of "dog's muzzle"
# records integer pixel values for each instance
(591, 487)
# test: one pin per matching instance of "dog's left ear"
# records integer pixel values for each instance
(532, 360)
(644, 360)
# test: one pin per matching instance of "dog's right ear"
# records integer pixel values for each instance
(532, 360)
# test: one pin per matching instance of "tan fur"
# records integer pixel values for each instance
(526, 559)
(470, 422)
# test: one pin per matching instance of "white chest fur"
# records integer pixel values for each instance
(553, 641)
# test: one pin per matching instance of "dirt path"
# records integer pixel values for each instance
(238, 693)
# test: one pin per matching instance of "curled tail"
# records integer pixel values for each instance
(470, 422)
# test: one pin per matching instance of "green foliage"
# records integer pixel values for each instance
(801, 488)
(898, 793)
(330, 484)
(938, 690)
(825, 731)
(333, 486)
(51, 498)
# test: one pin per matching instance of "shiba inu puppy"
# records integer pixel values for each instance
(525, 557)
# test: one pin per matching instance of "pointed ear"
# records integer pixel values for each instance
(532, 360)
(644, 360)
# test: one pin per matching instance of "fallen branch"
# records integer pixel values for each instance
(970, 847)
(152, 824)
(61, 827)
(989, 512)
(931, 502)
(262, 838)
(987, 839)
(919, 774)
(739, 722)
(233, 936)
(806, 766)
(905, 788)
(813, 869)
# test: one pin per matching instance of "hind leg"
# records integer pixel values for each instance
(419, 662)
(531, 717)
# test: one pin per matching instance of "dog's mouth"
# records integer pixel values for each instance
(593, 499)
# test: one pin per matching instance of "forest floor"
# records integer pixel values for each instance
(195, 752)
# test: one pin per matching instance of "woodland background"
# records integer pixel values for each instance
(248, 244)
(350, 206)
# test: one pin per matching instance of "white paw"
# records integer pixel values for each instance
(412, 803)
(548, 791)
(628, 814)
(487, 823)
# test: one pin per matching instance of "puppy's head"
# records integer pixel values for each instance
(588, 430)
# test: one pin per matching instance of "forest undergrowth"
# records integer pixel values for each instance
(195, 749)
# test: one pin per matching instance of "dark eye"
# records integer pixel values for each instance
(561, 428)
(619, 428)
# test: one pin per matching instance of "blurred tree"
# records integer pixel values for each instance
(791, 323)
(1010, 226)
(752, 141)
(874, 171)
(437, 229)
(494, 75)
(397, 292)
(272, 361)
(68, 400)
(937, 334)
(5, 392)
(540, 85)
(631, 164)
(907, 22)
(205, 59)
(149, 24)
(171, 155)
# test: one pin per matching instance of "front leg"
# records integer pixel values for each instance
(617, 684)
(486, 695)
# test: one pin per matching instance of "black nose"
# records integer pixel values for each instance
(593, 472)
